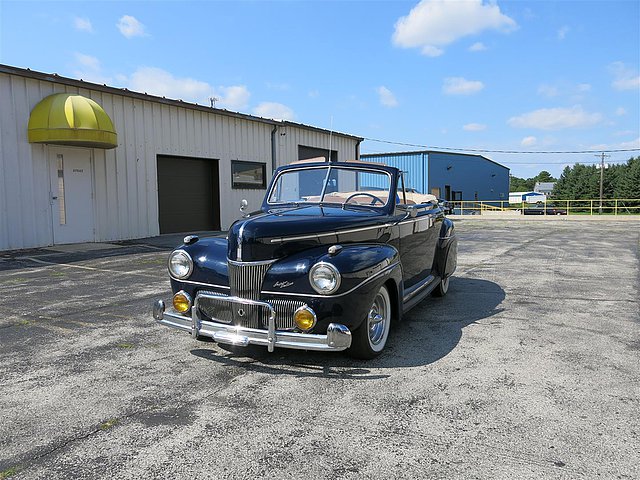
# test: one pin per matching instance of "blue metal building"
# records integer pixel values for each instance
(452, 176)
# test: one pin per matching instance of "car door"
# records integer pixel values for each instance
(418, 235)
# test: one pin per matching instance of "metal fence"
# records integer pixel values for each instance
(615, 206)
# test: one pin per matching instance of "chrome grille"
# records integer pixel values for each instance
(220, 308)
(245, 278)
(284, 312)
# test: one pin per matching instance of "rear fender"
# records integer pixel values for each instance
(446, 256)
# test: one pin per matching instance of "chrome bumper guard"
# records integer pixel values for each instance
(338, 336)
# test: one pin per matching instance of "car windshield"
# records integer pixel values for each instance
(330, 184)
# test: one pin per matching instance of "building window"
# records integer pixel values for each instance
(248, 174)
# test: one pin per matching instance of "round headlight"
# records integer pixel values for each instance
(324, 278)
(180, 264)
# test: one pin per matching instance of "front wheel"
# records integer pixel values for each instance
(370, 338)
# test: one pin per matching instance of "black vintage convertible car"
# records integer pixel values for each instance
(337, 252)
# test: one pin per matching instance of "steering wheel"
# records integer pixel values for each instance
(366, 194)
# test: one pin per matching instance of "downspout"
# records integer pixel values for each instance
(358, 149)
(273, 148)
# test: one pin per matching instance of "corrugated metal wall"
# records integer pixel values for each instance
(476, 177)
(470, 174)
(125, 178)
(414, 163)
(289, 137)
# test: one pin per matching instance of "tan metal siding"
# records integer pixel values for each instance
(294, 136)
(125, 178)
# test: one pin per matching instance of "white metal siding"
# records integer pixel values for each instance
(125, 183)
(290, 137)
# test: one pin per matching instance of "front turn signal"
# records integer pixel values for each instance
(182, 302)
(305, 318)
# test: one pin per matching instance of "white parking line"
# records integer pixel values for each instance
(83, 267)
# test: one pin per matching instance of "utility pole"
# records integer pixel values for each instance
(602, 157)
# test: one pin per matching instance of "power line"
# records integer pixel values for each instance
(477, 150)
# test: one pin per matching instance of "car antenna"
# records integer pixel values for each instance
(330, 134)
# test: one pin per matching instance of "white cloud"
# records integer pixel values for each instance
(313, 93)
(624, 133)
(89, 69)
(282, 87)
(624, 77)
(620, 111)
(387, 98)
(131, 27)
(477, 47)
(157, 81)
(474, 127)
(556, 118)
(548, 90)
(584, 87)
(232, 98)
(431, 51)
(562, 33)
(529, 141)
(277, 111)
(87, 61)
(632, 144)
(461, 86)
(433, 24)
(83, 24)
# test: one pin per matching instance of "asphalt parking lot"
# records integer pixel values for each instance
(528, 368)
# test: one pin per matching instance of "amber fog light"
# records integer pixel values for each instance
(305, 318)
(182, 301)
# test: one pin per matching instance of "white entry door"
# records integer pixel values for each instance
(71, 195)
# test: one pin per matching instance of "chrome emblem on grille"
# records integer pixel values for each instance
(241, 312)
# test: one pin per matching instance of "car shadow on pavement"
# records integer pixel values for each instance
(428, 333)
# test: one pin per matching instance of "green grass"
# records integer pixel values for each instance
(10, 472)
(125, 345)
(108, 424)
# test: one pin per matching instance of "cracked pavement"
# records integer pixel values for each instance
(528, 368)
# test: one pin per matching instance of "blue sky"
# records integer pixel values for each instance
(508, 75)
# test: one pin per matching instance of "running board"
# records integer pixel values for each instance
(417, 292)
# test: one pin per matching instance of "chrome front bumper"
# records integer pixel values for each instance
(338, 336)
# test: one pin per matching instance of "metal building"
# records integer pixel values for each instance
(451, 176)
(81, 162)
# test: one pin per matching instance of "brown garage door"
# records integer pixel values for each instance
(188, 195)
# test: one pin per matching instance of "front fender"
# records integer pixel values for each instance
(364, 268)
(355, 263)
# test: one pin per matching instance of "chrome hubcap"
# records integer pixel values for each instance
(377, 319)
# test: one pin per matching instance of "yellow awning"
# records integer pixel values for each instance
(69, 119)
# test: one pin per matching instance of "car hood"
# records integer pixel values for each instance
(280, 232)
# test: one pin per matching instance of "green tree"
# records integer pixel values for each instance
(544, 176)
(582, 182)
(628, 180)
(517, 184)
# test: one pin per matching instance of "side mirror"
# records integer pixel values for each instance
(243, 206)
(412, 210)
